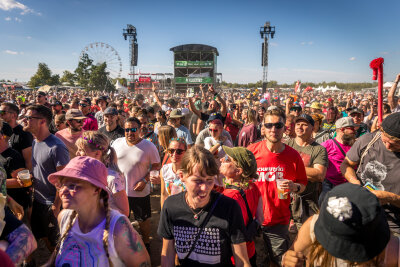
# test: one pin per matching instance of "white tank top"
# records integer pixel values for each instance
(86, 249)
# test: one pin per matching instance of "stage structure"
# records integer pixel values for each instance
(194, 64)
(130, 33)
(142, 82)
(266, 32)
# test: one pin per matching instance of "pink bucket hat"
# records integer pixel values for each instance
(84, 168)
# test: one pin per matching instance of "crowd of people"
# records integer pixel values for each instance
(274, 179)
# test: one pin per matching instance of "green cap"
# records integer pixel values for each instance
(245, 160)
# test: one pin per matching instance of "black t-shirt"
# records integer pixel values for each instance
(379, 167)
(20, 139)
(213, 248)
(114, 134)
(12, 160)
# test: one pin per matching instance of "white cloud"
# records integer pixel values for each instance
(17, 19)
(352, 58)
(10, 52)
(310, 43)
(8, 5)
(7, 19)
(384, 53)
(303, 43)
(28, 37)
(307, 43)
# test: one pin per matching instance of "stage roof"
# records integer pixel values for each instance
(194, 47)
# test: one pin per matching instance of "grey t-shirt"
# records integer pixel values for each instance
(381, 168)
(206, 133)
(46, 157)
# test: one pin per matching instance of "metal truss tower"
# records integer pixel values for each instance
(130, 33)
(266, 32)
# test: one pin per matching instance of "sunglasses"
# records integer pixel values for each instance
(83, 105)
(28, 118)
(72, 188)
(178, 151)
(133, 130)
(295, 109)
(278, 125)
(213, 130)
(77, 121)
(2, 112)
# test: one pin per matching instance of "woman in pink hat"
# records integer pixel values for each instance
(91, 233)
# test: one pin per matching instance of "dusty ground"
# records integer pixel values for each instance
(41, 255)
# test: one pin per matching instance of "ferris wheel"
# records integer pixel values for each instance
(104, 53)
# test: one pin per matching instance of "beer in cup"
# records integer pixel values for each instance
(25, 178)
(282, 193)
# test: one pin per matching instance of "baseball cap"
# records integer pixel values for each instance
(55, 102)
(355, 110)
(351, 224)
(110, 111)
(42, 93)
(215, 116)
(391, 125)
(345, 122)
(245, 159)
(296, 107)
(86, 169)
(74, 114)
(104, 98)
(305, 117)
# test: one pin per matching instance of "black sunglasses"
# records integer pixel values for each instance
(28, 118)
(78, 121)
(278, 125)
(178, 151)
(133, 130)
(83, 105)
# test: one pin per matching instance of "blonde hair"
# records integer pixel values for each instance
(98, 141)
(104, 196)
(198, 155)
(320, 257)
(165, 134)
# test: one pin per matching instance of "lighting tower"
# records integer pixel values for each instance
(130, 32)
(266, 31)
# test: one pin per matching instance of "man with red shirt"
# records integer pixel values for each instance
(275, 160)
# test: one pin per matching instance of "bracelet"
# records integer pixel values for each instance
(144, 180)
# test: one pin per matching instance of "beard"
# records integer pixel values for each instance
(348, 139)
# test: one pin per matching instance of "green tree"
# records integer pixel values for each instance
(99, 78)
(43, 76)
(83, 71)
(68, 77)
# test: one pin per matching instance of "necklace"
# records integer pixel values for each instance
(196, 216)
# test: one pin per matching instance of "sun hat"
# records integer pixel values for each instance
(86, 169)
(176, 114)
(345, 122)
(305, 117)
(245, 159)
(74, 114)
(351, 224)
(316, 105)
(391, 125)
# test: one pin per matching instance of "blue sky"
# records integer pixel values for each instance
(314, 41)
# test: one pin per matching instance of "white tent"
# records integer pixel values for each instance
(120, 88)
(388, 84)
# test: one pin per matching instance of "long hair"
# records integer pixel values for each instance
(104, 196)
(165, 134)
(319, 256)
(98, 141)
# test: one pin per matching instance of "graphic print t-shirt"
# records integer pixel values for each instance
(271, 166)
(381, 168)
(213, 247)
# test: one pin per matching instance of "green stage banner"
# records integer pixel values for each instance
(193, 80)
(194, 63)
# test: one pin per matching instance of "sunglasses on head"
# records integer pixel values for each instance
(178, 151)
(133, 130)
(278, 125)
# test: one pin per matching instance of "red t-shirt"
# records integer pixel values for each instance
(270, 166)
(232, 129)
(252, 196)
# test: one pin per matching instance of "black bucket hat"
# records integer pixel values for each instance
(352, 224)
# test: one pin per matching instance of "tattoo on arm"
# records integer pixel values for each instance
(130, 236)
(22, 243)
